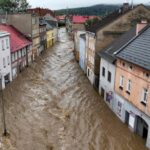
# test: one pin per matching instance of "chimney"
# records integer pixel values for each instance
(126, 6)
(140, 26)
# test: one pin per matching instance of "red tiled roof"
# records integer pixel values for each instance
(60, 17)
(17, 39)
(81, 19)
(41, 11)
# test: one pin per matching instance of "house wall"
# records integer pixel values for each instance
(19, 61)
(82, 60)
(29, 57)
(77, 43)
(55, 30)
(139, 81)
(105, 84)
(22, 22)
(50, 38)
(78, 27)
(5, 58)
(110, 32)
(42, 38)
(27, 24)
(90, 52)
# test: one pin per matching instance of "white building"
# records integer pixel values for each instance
(5, 59)
(108, 70)
(90, 56)
(77, 43)
(82, 52)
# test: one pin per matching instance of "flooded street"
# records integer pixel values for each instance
(52, 106)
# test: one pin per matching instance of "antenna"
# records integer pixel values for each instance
(132, 4)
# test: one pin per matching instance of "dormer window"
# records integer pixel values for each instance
(130, 67)
(147, 75)
(123, 64)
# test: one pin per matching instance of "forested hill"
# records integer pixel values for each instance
(98, 10)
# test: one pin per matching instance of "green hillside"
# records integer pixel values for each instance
(98, 10)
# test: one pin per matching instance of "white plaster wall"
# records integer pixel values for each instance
(91, 76)
(109, 86)
(5, 54)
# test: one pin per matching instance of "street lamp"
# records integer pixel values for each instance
(3, 109)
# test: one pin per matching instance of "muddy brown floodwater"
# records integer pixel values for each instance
(52, 106)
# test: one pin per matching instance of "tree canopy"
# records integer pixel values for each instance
(13, 5)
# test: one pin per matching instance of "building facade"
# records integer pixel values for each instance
(90, 54)
(110, 28)
(5, 59)
(108, 66)
(82, 51)
(28, 24)
(50, 37)
(43, 37)
(132, 85)
(77, 43)
(20, 48)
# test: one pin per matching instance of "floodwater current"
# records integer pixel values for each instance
(52, 106)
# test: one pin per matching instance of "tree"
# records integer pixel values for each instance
(91, 22)
(13, 5)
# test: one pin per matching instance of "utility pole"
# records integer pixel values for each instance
(5, 133)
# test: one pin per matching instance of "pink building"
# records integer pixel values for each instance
(132, 84)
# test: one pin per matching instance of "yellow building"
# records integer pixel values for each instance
(50, 38)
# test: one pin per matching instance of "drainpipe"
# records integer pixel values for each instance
(5, 133)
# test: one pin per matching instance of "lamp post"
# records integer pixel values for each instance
(3, 109)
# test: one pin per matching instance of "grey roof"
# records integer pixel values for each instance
(52, 23)
(138, 50)
(42, 22)
(110, 18)
(83, 36)
(109, 52)
(48, 25)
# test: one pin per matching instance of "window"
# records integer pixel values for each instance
(19, 54)
(128, 87)
(4, 63)
(33, 20)
(2, 44)
(130, 67)
(7, 43)
(8, 60)
(123, 64)
(12, 57)
(103, 71)
(109, 76)
(144, 96)
(121, 82)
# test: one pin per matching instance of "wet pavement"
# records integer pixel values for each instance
(52, 106)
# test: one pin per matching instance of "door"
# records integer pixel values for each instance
(145, 132)
(102, 92)
(127, 118)
(142, 128)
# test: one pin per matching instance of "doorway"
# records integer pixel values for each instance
(102, 92)
(7, 79)
(142, 128)
(127, 117)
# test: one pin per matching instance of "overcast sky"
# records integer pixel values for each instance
(59, 4)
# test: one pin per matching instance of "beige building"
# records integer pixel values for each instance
(107, 30)
(28, 24)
